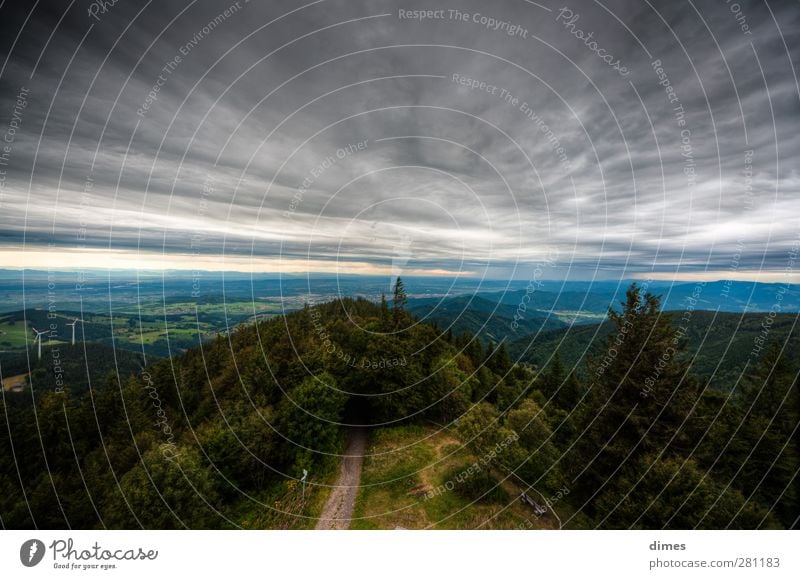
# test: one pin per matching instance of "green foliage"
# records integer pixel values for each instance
(451, 387)
(79, 367)
(207, 438)
(718, 343)
(310, 417)
(552, 378)
(475, 485)
(498, 360)
(763, 442)
(639, 395)
(167, 491)
(487, 320)
(537, 460)
(399, 302)
(487, 437)
(677, 494)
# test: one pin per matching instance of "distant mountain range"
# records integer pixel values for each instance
(725, 296)
(162, 313)
(724, 319)
(492, 315)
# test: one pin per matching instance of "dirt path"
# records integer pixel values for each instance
(339, 509)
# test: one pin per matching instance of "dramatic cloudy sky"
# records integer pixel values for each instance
(248, 157)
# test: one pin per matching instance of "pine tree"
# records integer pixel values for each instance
(765, 449)
(570, 393)
(639, 396)
(399, 302)
(498, 359)
(553, 378)
(473, 349)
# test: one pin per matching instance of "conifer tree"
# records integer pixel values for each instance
(552, 379)
(399, 302)
(639, 392)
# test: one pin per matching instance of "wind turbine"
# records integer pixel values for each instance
(73, 329)
(38, 338)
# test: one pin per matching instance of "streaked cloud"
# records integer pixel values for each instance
(335, 137)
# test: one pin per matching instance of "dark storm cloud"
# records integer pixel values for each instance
(205, 128)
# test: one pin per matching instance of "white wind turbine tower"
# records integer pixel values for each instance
(73, 329)
(38, 338)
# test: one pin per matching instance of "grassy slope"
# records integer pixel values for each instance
(284, 507)
(406, 462)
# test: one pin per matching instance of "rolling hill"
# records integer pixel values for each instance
(491, 321)
(718, 343)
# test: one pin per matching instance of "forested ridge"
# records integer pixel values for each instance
(219, 436)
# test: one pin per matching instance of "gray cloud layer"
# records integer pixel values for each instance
(250, 145)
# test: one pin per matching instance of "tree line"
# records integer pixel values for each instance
(218, 437)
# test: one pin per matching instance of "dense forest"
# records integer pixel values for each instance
(718, 343)
(219, 436)
(77, 367)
